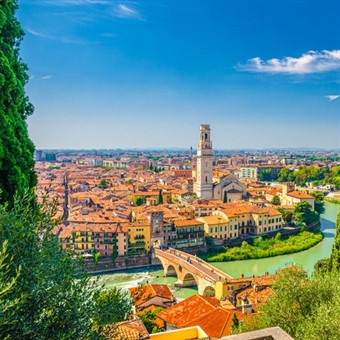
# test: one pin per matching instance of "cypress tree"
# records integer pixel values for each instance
(225, 197)
(16, 149)
(160, 197)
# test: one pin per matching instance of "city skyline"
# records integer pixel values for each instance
(121, 74)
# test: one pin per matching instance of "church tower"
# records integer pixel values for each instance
(204, 185)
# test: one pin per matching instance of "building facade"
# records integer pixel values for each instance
(204, 185)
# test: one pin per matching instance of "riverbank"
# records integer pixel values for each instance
(263, 248)
(332, 200)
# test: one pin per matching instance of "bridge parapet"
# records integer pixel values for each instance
(205, 264)
(193, 265)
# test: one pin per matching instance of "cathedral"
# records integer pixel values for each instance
(227, 187)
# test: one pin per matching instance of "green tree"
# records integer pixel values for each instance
(57, 293)
(303, 213)
(305, 307)
(7, 285)
(236, 324)
(335, 254)
(16, 149)
(112, 306)
(276, 200)
(319, 204)
(266, 175)
(139, 200)
(322, 266)
(286, 175)
(103, 184)
(160, 197)
(148, 318)
(225, 199)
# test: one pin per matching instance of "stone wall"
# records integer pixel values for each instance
(122, 262)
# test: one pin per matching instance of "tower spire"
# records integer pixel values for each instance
(204, 185)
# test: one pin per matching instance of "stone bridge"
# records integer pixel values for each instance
(192, 271)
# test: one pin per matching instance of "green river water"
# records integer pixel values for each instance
(307, 258)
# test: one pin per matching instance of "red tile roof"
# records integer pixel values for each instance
(144, 293)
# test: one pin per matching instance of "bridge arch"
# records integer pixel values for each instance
(189, 280)
(171, 271)
(209, 291)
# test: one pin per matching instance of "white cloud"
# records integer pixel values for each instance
(332, 97)
(309, 62)
(63, 39)
(124, 11)
(48, 76)
(36, 33)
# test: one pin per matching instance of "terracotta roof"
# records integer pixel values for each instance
(144, 293)
(299, 194)
(201, 311)
(184, 312)
(127, 330)
(187, 223)
(214, 219)
(254, 296)
(216, 323)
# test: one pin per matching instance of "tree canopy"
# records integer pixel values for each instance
(319, 204)
(305, 307)
(303, 213)
(53, 296)
(306, 174)
(335, 254)
(16, 149)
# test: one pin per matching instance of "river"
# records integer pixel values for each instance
(306, 259)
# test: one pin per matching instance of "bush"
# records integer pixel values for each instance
(268, 248)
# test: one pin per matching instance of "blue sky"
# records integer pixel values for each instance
(111, 74)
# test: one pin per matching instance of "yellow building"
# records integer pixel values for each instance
(189, 233)
(216, 226)
(246, 218)
(139, 237)
(84, 238)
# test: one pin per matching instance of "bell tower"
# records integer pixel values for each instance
(204, 185)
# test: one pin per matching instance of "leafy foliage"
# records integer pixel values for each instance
(58, 295)
(305, 174)
(7, 285)
(276, 200)
(103, 184)
(114, 305)
(319, 204)
(267, 175)
(148, 317)
(287, 216)
(262, 248)
(139, 201)
(335, 255)
(160, 197)
(306, 308)
(16, 149)
(303, 213)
